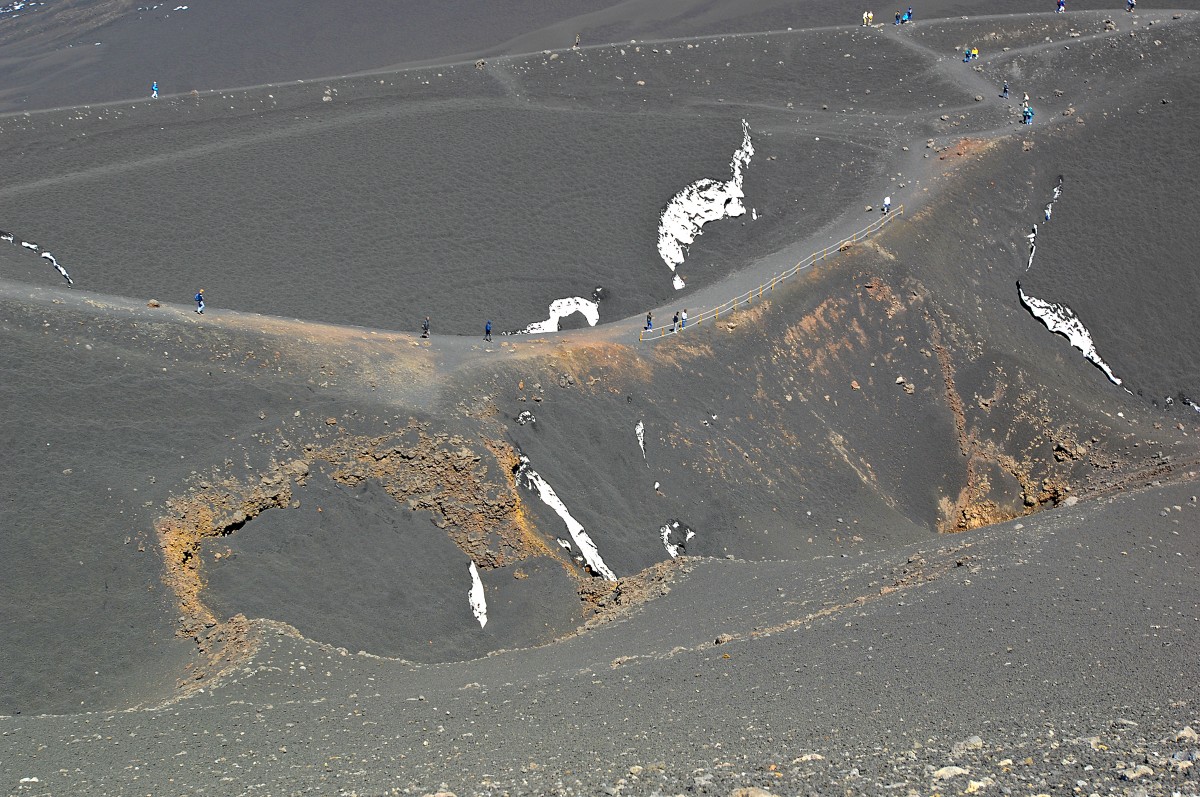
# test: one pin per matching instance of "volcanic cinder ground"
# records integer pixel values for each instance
(919, 517)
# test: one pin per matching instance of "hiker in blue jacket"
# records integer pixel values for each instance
(200, 301)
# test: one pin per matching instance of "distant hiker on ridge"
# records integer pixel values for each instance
(683, 318)
(1062, 7)
(887, 205)
(1004, 94)
(154, 90)
(675, 321)
(425, 327)
(650, 320)
(897, 18)
(1028, 115)
(487, 331)
(200, 301)
(1130, 5)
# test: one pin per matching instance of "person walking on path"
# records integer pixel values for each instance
(1028, 115)
(974, 53)
(1130, 5)
(1062, 7)
(870, 18)
(897, 18)
(683, 318)
(200, 301)
(650, 320)
(675, 321)
(487, 331)
(864, 19)
(1025, 100)
(154, 90)
(887, 205)
(425, 327)
(1004, 93)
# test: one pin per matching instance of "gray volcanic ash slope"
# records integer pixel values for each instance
(878, 528)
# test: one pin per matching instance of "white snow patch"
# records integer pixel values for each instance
(640, 431)
(701, 202)
(1032, 237)
(561, 308)
(664, 534)
(1062, 319)
(475, 597)
(582, 541)
(57, 267)
(9, 237)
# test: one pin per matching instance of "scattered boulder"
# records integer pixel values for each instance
(1133, 773)
(946, 773)
(972, 743)
(154, 303)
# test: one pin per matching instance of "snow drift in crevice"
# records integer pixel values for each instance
(591, 556)
(1032, 237)
(675, 536)
(1058, 317)
(561, 308)
(640, 431)
(12, 239)
(1062, 319)
(476, 598)
(701, 202)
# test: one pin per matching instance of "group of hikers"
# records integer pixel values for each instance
(902, 17)
(1026, 108)
(677, 323)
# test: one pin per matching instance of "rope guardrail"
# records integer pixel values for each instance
(731, 306)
